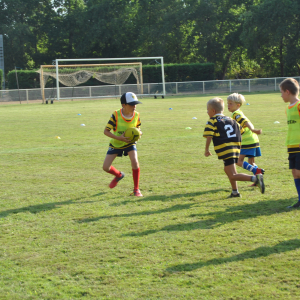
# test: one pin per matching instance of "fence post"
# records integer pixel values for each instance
(27, 96)
(249, 86)
(230, 86)
(176, 88)
(203, 87)
(275, 84)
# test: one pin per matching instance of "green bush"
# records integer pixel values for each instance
(179, 72)
(27, 79)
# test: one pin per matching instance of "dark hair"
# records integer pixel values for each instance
(291, 85)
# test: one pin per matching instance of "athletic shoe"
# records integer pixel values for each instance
(259, 171)
(260, 183)
(232, 195)
(136, 192)
(296, 205)
(116, 180)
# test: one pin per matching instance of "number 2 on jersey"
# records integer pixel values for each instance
(229, 131)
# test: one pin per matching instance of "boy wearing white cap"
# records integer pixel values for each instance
(120, 120)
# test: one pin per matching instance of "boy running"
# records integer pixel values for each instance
(250, 142)
(226, 136)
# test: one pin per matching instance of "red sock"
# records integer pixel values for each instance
(136, 177)
(114, 171)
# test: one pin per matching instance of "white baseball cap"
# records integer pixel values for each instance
(130, 98)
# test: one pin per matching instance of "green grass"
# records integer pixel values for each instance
(65, 235)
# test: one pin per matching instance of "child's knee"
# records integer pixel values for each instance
(240, 163)
(135, 164)
(230, 176)
(296, 173)
(105, 168)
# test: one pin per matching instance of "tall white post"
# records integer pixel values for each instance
(57, 81)
(163, 75)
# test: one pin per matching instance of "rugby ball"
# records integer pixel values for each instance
(133, 134)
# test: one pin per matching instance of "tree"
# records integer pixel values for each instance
(22, 24)
(216, 30)
(107, 29)
(271, 35)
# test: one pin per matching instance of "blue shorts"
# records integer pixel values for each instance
(121, 152)
(294, 160)
(253, 152)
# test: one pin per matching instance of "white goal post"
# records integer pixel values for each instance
(119, 67)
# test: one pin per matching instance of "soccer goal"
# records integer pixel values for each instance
(102, 77)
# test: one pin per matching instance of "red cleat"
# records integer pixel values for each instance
(259, 171)
(116, 180)
(136, 192)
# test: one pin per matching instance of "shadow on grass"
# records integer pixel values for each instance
(153, 212)
(281, 247)
(41, 207)
(163, 198)
(144, 213)
(231, 214)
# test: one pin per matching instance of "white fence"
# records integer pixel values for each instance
(172, 88)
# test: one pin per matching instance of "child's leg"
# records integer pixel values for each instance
(294, 165)
(251, 160)
(107, 164)
(241, 160)
(107, 167)
(233, 176)
(135, 171)
(296, 175)
(252, 167)
(247, 165)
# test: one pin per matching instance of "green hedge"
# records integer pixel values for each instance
(27, 79)
(151, 74)
(179, 72)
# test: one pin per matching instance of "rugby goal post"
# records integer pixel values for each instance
(111, 73)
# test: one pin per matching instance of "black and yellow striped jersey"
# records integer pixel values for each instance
(112, 123)
(226, 136)
(250, 139)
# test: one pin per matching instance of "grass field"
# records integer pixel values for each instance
(66, 235)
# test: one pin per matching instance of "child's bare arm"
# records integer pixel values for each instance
(208, 141)
(251, 127)
(140, 131)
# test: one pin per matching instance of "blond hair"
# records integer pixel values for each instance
(237, 98)
(291, 85)
(217, 104)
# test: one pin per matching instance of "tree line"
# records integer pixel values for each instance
(243, 38)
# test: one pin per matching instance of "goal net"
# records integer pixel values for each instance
(97, 78)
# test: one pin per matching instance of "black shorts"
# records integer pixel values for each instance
(294, 160)
(230, 161)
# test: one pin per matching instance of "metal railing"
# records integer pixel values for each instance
(172, 88)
